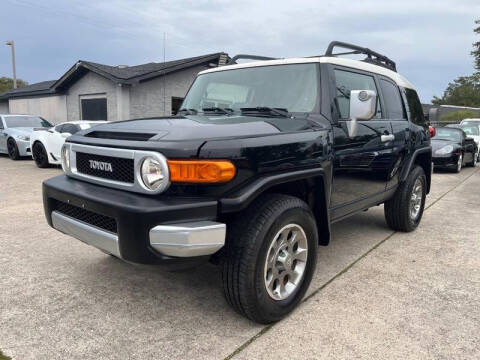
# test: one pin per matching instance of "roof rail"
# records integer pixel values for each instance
(372, 56)
(234, 59)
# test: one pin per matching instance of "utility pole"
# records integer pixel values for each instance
(12, 45)
(164, 80)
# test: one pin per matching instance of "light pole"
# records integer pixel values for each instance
(12, 44)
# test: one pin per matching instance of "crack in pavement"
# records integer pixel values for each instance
(336, 276)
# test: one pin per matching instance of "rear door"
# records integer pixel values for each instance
(361, 163)
(395, 112)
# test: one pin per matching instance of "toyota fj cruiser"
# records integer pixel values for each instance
(261, 159)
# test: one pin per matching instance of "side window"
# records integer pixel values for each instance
(393, 102)
(59, 128)
(347, 81)
(414, 106)
(1, 124)
(70, 128)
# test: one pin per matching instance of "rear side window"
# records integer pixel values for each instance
(347, 81)
(414, 107)
(393, 101)
(70, 128)
(59, 128)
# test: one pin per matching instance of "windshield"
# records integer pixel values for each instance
(448, 134)
(26, 121)
(470, 130)
(471, 122)
(293, 88)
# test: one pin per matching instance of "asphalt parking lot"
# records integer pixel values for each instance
(376, 293)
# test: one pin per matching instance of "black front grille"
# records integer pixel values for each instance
(106, 167)
(100, 221)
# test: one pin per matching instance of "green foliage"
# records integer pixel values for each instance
(476, 47)
(3, 357)
(6, 83)
(458, 116)
(464, 91)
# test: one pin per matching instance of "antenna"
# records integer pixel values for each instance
(164, 80)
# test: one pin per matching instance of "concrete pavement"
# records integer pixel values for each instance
(376, 294)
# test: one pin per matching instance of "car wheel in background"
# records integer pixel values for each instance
(459, 164)
(404, 211)
(12, 148)
(270, 257)
(40, 155)
(473, 163)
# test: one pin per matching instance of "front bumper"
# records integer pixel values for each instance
(447, 161)
(137, 228)
(24, 147)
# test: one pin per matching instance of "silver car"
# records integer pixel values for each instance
(15, 133)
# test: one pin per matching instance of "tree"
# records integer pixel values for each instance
(458, 116)
(476, 47)
(464, 91)
(6, 83)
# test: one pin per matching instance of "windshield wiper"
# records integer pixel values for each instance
(266, 110)
(188, 111)
(218, 110)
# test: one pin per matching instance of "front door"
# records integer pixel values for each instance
(362, 162)
(3, 137)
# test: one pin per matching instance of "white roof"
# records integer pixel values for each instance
(354, 64)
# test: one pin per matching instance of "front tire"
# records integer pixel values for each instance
(12, 148)
(459, 166)
(40, 155)
(404, 211)
(270, 257)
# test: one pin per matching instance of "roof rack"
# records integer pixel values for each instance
(372, 56)
(234, 59)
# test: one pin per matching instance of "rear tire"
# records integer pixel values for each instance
(265, 271)
(404, 211)
(473, 163)
(12, 148)
(40, 155)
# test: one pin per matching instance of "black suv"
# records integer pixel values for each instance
(261, 159)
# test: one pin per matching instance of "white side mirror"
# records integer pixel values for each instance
(362, 107)
(65, 135)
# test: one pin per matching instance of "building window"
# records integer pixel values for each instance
(176, 103)
(94, 109)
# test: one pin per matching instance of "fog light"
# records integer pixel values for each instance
(65, 158)
(154, 174)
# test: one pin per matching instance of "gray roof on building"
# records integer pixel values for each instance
(42, 87)
(119, 74)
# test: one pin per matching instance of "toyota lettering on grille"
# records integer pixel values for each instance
(100, 165)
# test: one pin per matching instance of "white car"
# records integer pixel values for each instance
(46, 144)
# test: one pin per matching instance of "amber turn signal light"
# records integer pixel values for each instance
(201, 171)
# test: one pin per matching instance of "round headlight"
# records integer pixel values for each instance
(65, 158)
(445, 150)
(154, 174)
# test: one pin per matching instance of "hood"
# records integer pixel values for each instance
(199, 127)
(438, 144)
(26, 131)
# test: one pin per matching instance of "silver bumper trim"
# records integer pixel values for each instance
(89, 234)
(188, 239)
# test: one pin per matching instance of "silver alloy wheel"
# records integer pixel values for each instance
(416, 199)
(459, 163)
(286, 261)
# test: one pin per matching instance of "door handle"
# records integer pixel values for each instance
(387, 138)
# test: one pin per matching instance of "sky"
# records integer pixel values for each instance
(429, 40)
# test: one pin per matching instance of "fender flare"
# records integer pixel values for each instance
(411, 161)
(241, 198)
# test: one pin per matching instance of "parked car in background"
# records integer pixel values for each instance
(472, 131)
(46, 144)
(470, 122)
(15, 131)
(452, 149)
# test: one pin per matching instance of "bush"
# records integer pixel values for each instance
(458, 116)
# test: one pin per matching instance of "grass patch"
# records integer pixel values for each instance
(4, 357)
